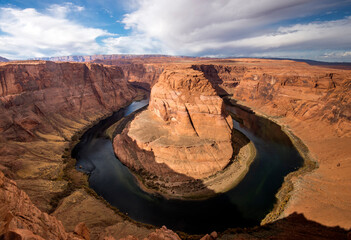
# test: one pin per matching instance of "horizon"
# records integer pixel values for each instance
(298, 30)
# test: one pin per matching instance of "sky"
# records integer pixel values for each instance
(301, 29)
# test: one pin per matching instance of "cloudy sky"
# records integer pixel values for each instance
(309, 29)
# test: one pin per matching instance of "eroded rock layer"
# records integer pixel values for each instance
(184, 131)
(312, 102)
(43, 104)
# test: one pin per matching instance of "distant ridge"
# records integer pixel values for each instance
(3, 59)
(91, 58)
(339, 65)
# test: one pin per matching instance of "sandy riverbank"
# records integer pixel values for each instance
(205, 188)
(190, 188)
(319, 190)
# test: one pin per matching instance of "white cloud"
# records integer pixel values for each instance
(302, 36)
(183, 27)
(234, 27)
(29, 33)
(337, 55)
(135, 44)
(62, 10)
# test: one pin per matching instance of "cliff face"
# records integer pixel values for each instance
(287, 89)
(312, 102)
(42, 104)
(187, 101)
(141, 74)
(46, 99)
(185, 129)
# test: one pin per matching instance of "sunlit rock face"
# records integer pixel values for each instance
(185, 129)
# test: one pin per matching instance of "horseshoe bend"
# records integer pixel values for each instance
(184, 139)
(182, 146)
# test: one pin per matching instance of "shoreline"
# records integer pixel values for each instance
(310, 164)
(220, 182)
(197, 189)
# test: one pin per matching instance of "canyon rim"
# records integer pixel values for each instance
(162, 119)
(34, 138)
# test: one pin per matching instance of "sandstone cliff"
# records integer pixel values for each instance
(312, 102)
(45, 99)
(185, 128)
(287, 89)
(42, 105)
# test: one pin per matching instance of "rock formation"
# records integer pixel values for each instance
(20, 219)
(37, 97)
(43, 104)
(184, 135)
(312, 102)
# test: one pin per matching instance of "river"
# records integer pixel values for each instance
(243, 206)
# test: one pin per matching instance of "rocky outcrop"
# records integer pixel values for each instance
(20, 219)
(159, 234)
(184, 129)
(183, 139)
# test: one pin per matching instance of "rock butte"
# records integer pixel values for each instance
(43, 104)
(185, 128)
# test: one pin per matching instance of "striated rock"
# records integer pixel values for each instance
(286, 88)
(45, 99)
(42, 105)
(312, 102)
(20, 219)
(141, 74)
(187, 101)
(184, 131)
(82, 231)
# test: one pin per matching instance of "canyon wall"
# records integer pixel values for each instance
(46, 99)
(314, 104)
(142, 74)
(287, 89)
(43, 104)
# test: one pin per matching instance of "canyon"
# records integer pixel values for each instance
(184, 139)
(46, 105)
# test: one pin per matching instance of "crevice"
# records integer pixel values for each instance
(191, 121)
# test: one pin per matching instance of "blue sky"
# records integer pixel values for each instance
(310, 29)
